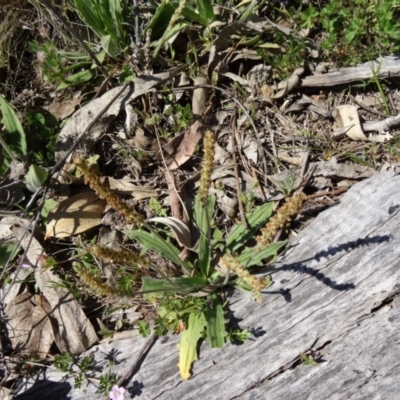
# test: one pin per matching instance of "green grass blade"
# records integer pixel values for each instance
(216, 332)
(15, 131)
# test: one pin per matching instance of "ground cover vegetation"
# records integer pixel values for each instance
(157, 155)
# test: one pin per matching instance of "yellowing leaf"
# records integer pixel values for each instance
(188, 343)
(75, 215)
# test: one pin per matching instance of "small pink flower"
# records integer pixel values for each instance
(23, 262)
(117, 393)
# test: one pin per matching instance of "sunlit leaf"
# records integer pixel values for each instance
(160, 287)
(188, 343)
(150, 241)
(251, 256)
(15, 132)
(255, 220)
(216, 332)
(78, 78)
(35, 177)
(75, 215)
(203, 216)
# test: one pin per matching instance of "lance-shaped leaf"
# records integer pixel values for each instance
(216, 332)
(158, 287)
(255, 220)
(151, 241)
(203, 216)
(251, 256)
(35, 177)
(188, 343)
(13, 127)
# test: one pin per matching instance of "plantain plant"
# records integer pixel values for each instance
(190, 302)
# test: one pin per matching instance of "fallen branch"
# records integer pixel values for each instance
(386, 67)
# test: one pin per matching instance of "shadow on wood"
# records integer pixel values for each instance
(334, 297)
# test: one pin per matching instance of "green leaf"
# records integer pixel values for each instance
(15, 132)
(35, 177)
(74, 55)
(6, 251)
(109, 45)
(206, 11)
(179, 26)
(144, 328)
(150, 241)
(203, 216)
(160, 20)
(160, 287)
(255, 220)
(216, 332)
(251, 256)
(105, 332)
(48, 205)
(191, 15)
(249, 11)
(78, 78)
(89, 12)
(188, 343)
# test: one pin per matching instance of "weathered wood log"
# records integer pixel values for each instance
(386, 67)
(334, 296)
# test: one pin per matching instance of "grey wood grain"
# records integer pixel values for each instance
(332, 294)
(385, 67)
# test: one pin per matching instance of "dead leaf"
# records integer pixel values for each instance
(73, 332)
(180, 229)
(6, 394)
(349, 116)
(85, 115)
(250, 149)
(311, 104)
(236, 78)
(200, 96)
(227, 204)
(332, 168)
(187, 146)
(126, 187)
(29, 328)
(75, 215)
(287, 157)
(142, 141)
(288, 85)
(64, 109)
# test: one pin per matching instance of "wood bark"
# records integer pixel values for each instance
(386, 67)
(334, 297)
